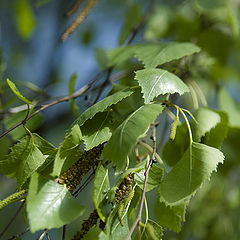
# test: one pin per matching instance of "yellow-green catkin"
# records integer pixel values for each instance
(73, 176)
(174, 128)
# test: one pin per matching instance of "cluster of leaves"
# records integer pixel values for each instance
(120, 123)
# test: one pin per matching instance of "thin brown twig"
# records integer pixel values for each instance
(63, 99)
(74, 8)
(152, 160)
(79, 19)
(64, 231)
(43, 234)
(12, 220)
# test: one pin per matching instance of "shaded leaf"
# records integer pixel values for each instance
(156, 54)
(102, 105)
(101, 186)
(127, 134)
(158, 81)
(228, 105)
(50, 205)
(154, 177)
(16, 92)
(68, 151)
(206, 120)
(96, 130)
(190, 172)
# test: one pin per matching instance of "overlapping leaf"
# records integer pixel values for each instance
(190, 172)
(156, 54)
(25, 158)
(68, 150)
(50, 205)
(103, 105)
(126, 135)
(101, 186)
(158, 81)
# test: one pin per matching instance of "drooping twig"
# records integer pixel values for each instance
(64, 232)
(19, 235)
(152, 160)
(63, 99)
(79, 19)
(12, 220)
(74, 8)
(43, 234)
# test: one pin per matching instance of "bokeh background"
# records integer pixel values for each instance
(41, 66)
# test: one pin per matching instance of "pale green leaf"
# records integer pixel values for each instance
(156, 54)
(101, 186)
(50, 205)
(228, 105)
(68, 150)
(154, 177)
(190, 172)
(96, 130)
(158, 81)
(206, 120)
(25, 19)
(127, 134)
(153, 231)
(102, 105)
(16, 91)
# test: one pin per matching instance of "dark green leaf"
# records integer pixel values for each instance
(157, 81)
(127, 134)
(50, 205)
(101, 186)
(68, 150)
(103, 105)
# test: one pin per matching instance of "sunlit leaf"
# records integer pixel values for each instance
(156, 54)
(196, 166)
(101, 186)
(158, 81)
(50, 205)
(127, 134)
(16, 92)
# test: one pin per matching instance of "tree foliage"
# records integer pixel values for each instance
(149, 140)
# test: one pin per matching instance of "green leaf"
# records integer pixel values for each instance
(114, 230)
(101, 186)
(228, 105)
(127, 134)
(50, 205)
(68, 151)
(133, 17)
(24, 159)
(174, 150)
(24, 18)
(102, 105)
(32, 124)
(71, 90)
(96, 130)
(153, 231)
(156, 54)
(158, 81)
(154, 177)
(190, 172)
(16, 92)
(206, 120)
